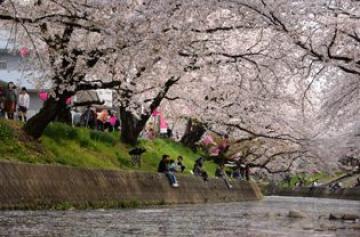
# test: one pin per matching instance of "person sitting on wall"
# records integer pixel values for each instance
(198, 170)
(164, 168)
(172, 166)
(236, 174)
(314, 184)
(136, 153)
(336, 186)
(220, 173)
(180, 164)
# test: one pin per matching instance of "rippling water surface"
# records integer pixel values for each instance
(264, 218)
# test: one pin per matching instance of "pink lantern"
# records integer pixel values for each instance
(24, 52)
(214, 151)
(112, 120)
(43, 95)
(68, 101)
(163, 123)
(156, 112)
(208, 140)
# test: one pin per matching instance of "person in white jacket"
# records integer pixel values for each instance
(24, 104)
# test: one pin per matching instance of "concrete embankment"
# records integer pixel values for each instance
(319, 192)
(25, 186)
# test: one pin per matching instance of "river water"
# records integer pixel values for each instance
(254, 219)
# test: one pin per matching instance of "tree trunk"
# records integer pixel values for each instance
(131, 126)
(64, 115)
(193, 133)
(36, 125)
(129, 130)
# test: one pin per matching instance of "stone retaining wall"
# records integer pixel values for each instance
(320, 192)
(44, 186)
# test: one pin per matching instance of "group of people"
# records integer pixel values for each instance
(338, 185)
(169, 167)
(101, 120)
(150, 133)
(13, 103)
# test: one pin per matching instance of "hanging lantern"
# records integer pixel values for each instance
(214, 151)
(208, 140)
(68, 101)
(163, 122)
(113, 120)
(24, 52)
(156, 112)
(43, 95)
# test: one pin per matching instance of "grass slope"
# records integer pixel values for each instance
(81, 147)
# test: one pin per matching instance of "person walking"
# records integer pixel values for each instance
(10, 100)
(24, 104)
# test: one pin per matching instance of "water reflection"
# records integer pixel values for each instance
(265, 218)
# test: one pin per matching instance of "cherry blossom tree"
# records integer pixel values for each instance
(315, 44)
(278, 70)
(280, 75)
(327, 32)
(71, 40)
(247, 84)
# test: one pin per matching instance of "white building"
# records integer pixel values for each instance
(106, 95)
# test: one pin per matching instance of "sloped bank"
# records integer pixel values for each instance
(24, 186)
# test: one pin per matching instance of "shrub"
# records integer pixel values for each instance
(123, 161)
(61, 131)
(84, 142)
(6, 132)
(102, 137)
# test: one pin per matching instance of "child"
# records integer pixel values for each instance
(180, 165)
(172, 166)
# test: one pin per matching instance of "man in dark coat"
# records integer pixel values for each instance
(10, 100)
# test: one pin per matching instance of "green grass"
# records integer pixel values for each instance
(158, 147)
(80, 147)
(14, 145)
(309, 178)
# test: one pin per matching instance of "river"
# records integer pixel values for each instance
(254, 219)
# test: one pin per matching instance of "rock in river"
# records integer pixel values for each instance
(296, 214)
(343, 216)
